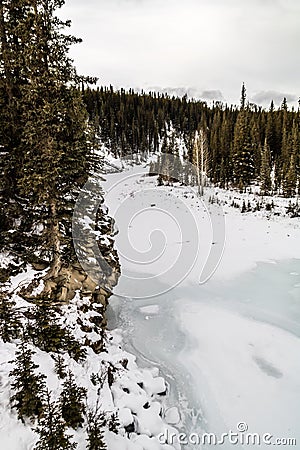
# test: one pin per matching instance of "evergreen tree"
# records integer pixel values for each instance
(243, 156)
(10, 324)
(60, 366)
(55, 123)
(47, 155)
(113, 423)
(277, 174)
(295, 144)
(255, 138)
(290, 180)
(72, 402)
(28, 386)
(74, 348)
(284, 106)
(286, 150)
(52, 429)
(272, 133)
(95, 425)
(44, 330)
(265, 170)
(243, 97)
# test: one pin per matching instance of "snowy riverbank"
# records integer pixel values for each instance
(224, 352)
(115, 384)
(233, 353)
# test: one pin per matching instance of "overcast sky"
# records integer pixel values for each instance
(208, 47)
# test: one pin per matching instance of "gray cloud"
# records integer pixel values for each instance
(212, 95)
(265, 97)
(197, 44)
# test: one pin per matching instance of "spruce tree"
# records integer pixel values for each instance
(55, 123)
(28, 386)
(47, 155)
(10, 324)
(72, 402)
(243, 156)
(13, 76)
(265, 170)
(44, 330)
(60, 366)
(52, 429)
(95, 424)
(243, 96)
(295, 144)
(272, 133)
(113, 423)
(290, 179)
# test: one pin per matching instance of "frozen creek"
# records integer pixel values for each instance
(243, 364)
(229, 349)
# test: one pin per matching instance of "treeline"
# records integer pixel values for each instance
(245, 144)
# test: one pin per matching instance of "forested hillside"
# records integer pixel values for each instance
(54, 125)
(45, 159)
(245, 143)
(45, 136)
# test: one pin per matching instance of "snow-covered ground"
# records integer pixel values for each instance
(133, 396)
(230, 348)
(226, 351)
(136, 394)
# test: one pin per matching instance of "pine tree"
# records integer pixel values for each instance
(13, 75)
(295, 144)
(28, 386)
(95, 424)
(243, 97)
(47, 155)
(74, 348)
(52, 429)
(255, 138)
(222, 177)
(44, 330)
(60, 366)
(284, 106)
(272, 133)
(286, 150)
(290, 180)
(113, 423)
(12, 78)
(243, 156)
(265, 170)
(55, 123)
(10, 324)
(72, 402)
